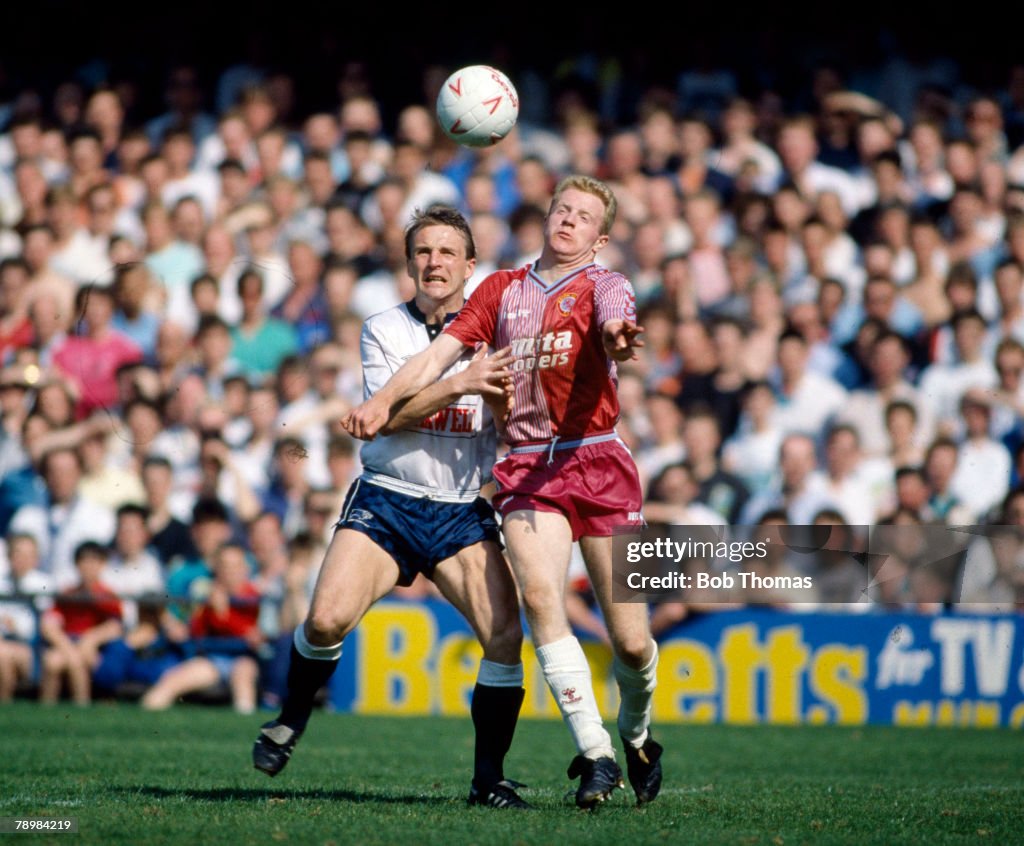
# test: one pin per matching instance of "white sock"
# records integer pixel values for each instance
(315, 653)
(493, 674)
(568, 675)
(635, 690)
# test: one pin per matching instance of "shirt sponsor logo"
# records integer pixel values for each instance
(451, 419)
(549, 350)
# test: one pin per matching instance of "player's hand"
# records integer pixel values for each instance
(366, 420)
(621, 339)
(501, 406)
(487, 374)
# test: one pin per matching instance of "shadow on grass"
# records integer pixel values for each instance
(255, 794)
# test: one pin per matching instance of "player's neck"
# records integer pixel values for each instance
(551, 267)
(435, 311)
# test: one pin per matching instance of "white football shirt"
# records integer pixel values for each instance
(448, 456)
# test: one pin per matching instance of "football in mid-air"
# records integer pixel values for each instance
(477, 106)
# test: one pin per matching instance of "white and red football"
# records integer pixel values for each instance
(477, 106)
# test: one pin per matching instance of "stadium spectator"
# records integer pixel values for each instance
(718, 489)
(173, 263)
(189, 579)
(225, 633)
(865, 407)
(665, 445)
(901, 427)
(169, 537)
(75, 254)
(839, 576)
(65, 519)
(775, 565)
(845, 485)
(806, 400)
(132, 570)
(259, 343)
(18, 617)
(672, 499)
(943, 386)
(304, 305)
(137, 315)
(91, 360)
(222, 478)
(15, 326)
(85, 617)
(103, 482)
(982, 475)
(751, 454)
(798, 490)
(939, 470)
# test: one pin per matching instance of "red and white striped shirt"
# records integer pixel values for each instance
(565, 384)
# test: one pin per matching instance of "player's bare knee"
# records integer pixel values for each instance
(541, 603)
(324, 627)
(504, 646)
(633, 650)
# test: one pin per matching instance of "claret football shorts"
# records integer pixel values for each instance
(596, 486)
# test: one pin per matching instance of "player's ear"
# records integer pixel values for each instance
(470, 268)
(601, 243)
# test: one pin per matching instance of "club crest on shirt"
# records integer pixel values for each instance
(566, 302)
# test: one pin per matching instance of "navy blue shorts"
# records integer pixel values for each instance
(418, 533)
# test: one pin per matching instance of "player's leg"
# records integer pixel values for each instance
(356, 573)
(635, 667)
(479, 583)
(191, 675)
(540, 544)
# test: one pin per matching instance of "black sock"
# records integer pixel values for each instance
(305, 678)
(495, 712)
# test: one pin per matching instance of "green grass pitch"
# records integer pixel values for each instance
(185, 776)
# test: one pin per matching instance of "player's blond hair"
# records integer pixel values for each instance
(589, 185)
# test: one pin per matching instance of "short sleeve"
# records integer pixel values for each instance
(613, 298)
(376, 369)
(478, 319)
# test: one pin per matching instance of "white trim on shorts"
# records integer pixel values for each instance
(419, 491)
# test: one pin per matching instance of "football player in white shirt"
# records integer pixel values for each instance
(417, 509)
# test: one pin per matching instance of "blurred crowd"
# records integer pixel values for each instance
(832, 292)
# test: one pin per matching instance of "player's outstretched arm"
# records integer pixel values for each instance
(485, 375)
(366, 420)
(621, 339)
